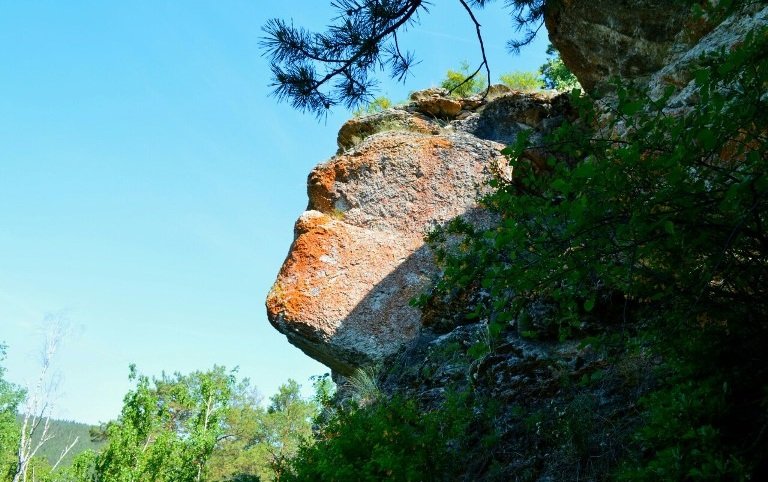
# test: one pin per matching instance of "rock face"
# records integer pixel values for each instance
(358, 256)
(684, 58)
(651, 42)
(601, 39)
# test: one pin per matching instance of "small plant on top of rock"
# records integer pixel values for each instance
(524, 81)
(378, 104)
(459, 83)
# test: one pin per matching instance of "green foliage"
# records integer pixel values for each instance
(205, 426)
(287, 425)
(81, 469)
(387, 440)
(459, 83)
(364, 385)
(168, 428)
(525, 81)
(236, 455)
(325, 390)
(376, 105)
(63, 433)
(661, 230)
(10, 398)
(202, 426)
(555, 74)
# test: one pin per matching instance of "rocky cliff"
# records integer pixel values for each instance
(358, 257)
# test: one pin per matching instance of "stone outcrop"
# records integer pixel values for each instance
(649, 42)
(358, 256)
(601, 39)
(685, 57)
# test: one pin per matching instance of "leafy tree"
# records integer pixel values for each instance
(236, 457)
(555, 74)
(258, 441)
(10, 398)
(204, 426)
(525, 81)
(168, 428)
(316, 71)
(288, 423)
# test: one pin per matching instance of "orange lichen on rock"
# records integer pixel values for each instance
(358, 256)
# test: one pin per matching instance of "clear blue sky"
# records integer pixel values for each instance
(149, 183)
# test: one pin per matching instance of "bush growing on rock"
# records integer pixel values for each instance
(460, 84)
(525, 81)
(653, 220)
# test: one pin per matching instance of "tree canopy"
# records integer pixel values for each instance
(10, 398)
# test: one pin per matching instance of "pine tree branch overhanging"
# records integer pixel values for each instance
(317, 71)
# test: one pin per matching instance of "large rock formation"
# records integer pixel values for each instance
(540, 409)
(358, 256)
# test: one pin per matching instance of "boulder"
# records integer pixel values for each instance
(358, 128)
(358, 256)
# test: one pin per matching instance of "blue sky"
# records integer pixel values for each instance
(149, 183)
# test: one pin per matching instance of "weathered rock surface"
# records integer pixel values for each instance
(601, 39)
(649, 42)
(356, 129)
(358, 256)
(685, 58)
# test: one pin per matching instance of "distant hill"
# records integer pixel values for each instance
(64, 432)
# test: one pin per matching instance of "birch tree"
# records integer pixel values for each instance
(38, 406)
(168, 428)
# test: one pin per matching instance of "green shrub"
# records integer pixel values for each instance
(459, 83)
(378, 104)
(662, 231)
(525, 81)
(387, 440)
(555, 74)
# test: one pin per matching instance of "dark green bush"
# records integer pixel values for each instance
(388, 440)
(661, 230)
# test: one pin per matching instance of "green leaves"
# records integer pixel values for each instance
(658, 222)
(392, 439)
(706, 139)
(589, 304)
(632, 107)
(10, 398)
(524, 81)
(555, 74)
(167, 429)
(460, 84)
